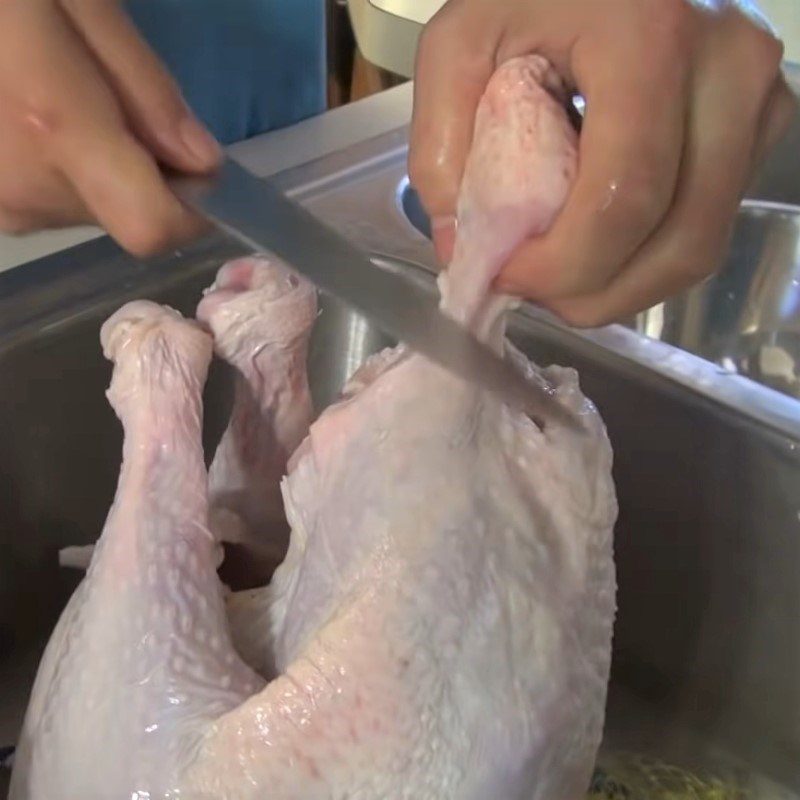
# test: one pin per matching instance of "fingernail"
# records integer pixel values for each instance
(443, 230)
(202, 146)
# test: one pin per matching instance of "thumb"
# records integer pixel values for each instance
(455, 61)
(150, 98)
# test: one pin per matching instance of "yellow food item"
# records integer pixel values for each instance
(638, 777)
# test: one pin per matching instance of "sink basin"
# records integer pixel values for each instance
(707, 464)
(707, 653)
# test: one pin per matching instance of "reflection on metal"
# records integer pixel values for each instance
(652, 324)
(748, 316)
(357, 343)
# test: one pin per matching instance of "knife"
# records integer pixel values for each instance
(257, 213)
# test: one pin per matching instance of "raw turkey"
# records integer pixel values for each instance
(440, 626)
(261, 319)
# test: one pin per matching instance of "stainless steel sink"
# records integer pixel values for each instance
(707, 644)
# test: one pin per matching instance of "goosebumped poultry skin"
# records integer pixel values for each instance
(441, 624)
(261, 317)
(263, 335)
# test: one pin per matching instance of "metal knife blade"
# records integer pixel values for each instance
(258, 214)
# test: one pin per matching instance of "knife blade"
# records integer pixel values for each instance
(257, 213)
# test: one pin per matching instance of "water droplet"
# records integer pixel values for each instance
(611, 194)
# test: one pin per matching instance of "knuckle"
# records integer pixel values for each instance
(667, 28)
(769, 52)
(37, 108)
(759, 51)
(437, 26)
(455, 21)
(41, 118)
(430, 36)
(428, 32)
(760, 37)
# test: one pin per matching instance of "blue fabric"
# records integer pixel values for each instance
(245, 66)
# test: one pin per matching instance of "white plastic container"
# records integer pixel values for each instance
(387, 30)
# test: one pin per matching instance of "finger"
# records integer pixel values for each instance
(33, 197)
(455, 60)
(18, 223)
(123, 188)
(629, 158)
(689, 245)
(45, 201)
(33, 194)
(76, 127)
(150, 98)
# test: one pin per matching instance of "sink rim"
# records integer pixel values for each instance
(89, 274)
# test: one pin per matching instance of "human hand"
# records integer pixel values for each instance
(87, 115)
(682, 104)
